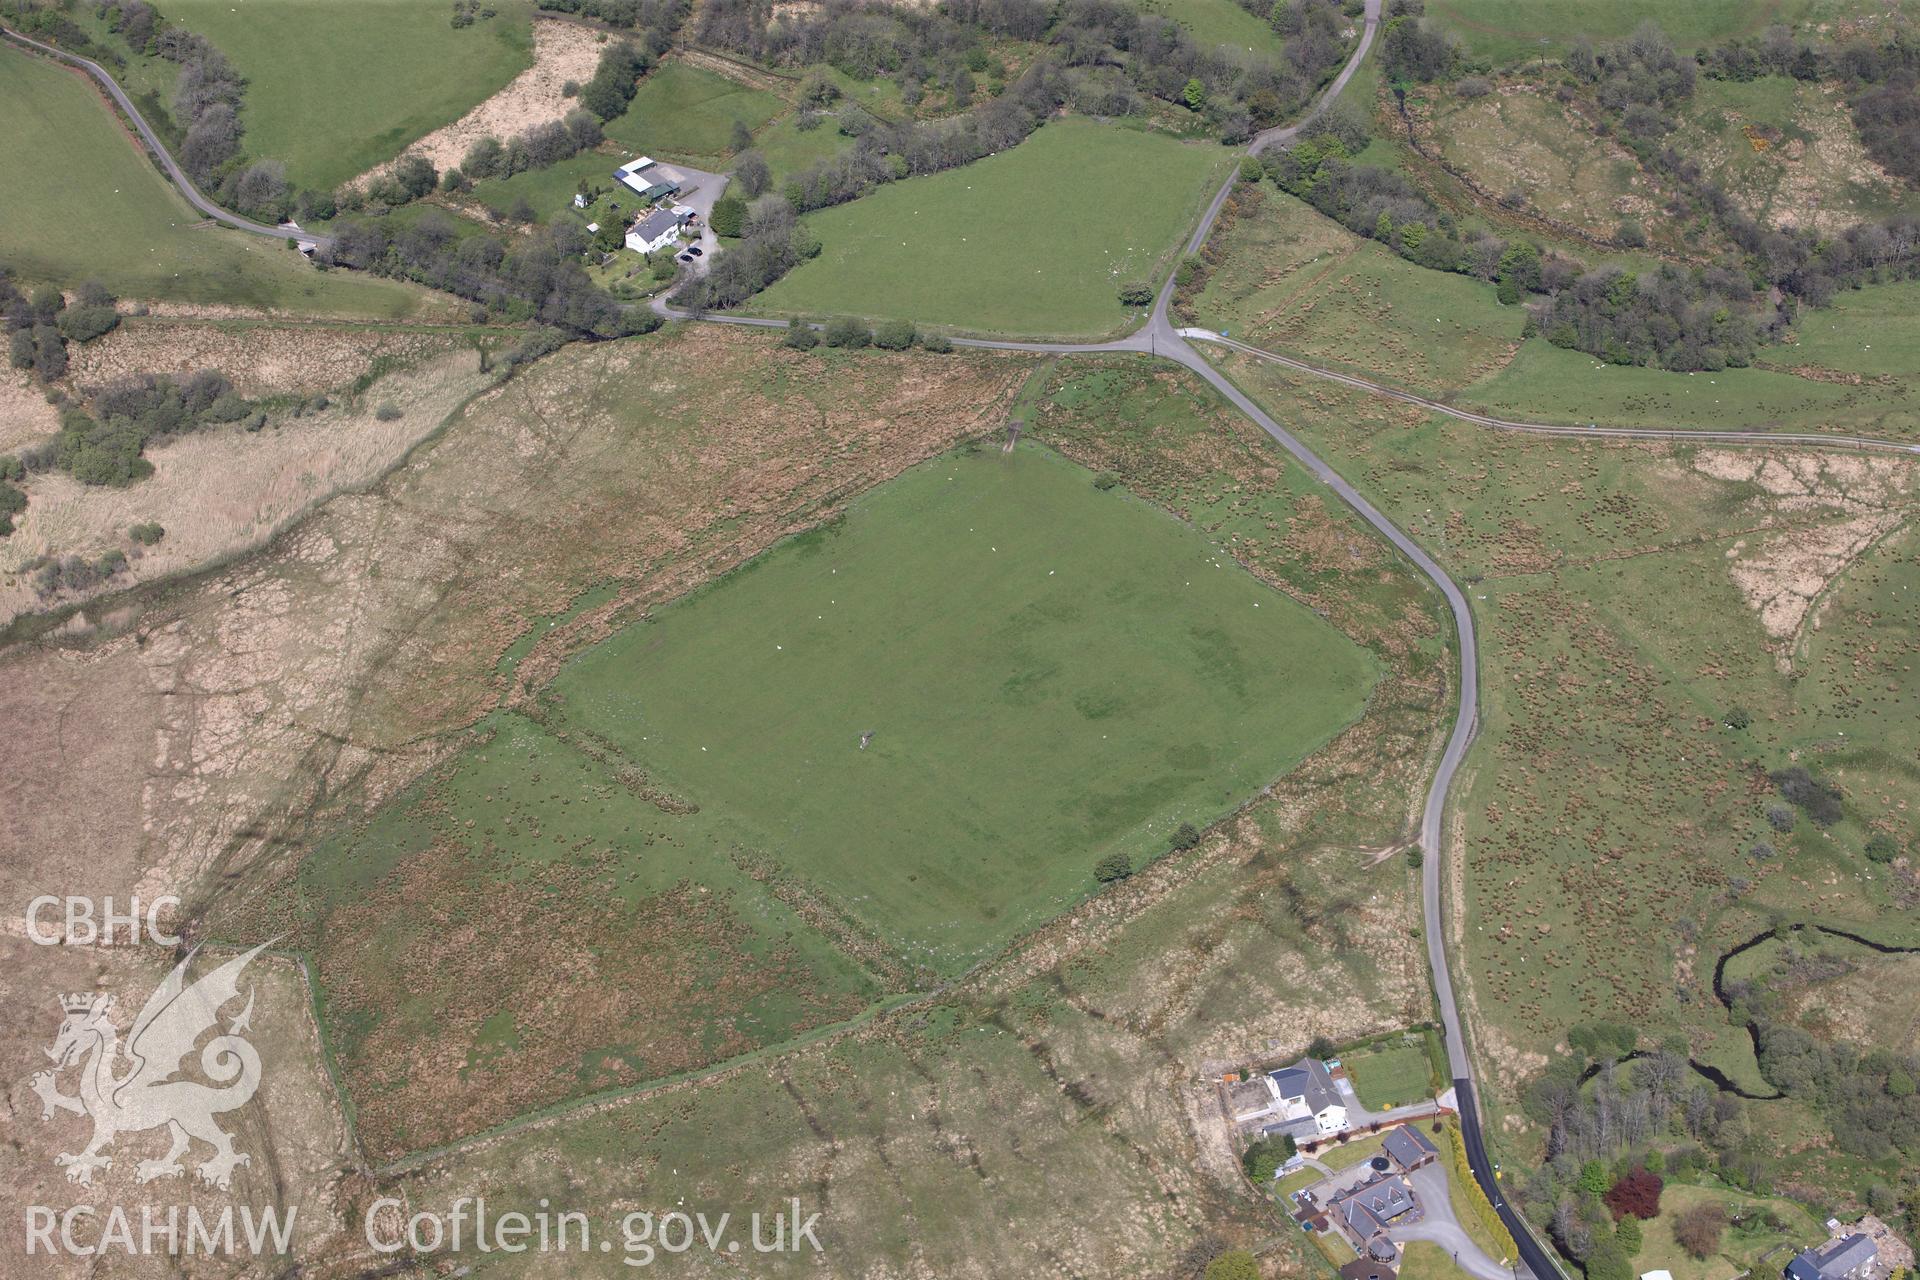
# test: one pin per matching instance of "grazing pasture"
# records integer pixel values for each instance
(1296, 282)
(789, 149)
(1546, 383)
(82, 202)
(1667, 623)
(334, 90)
(687, 112)
(1787, 152)
(1035, 240)
(1870, 332)
(785, 881)
(1515, 30)
(1002, 1099)
(1219, 23)
(1051, 674)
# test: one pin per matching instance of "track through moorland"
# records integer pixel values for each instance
(1159, 337)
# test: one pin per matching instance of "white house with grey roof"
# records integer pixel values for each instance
(1849, 1258)
(1305, 1091)
(658, 230)
(1300, 1101)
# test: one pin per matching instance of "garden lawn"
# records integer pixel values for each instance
(1738, 1251)
(1338, 1155)
(1051, 673)
(1427, 1261)
(334, 90)
(683, 111)
(80, 202)
(1390, 1075)
(1036, 240)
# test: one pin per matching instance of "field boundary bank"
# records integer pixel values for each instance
(1681, 434)
(24, 628)
(1490, 202)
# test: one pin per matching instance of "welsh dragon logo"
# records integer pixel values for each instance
(143, 1094)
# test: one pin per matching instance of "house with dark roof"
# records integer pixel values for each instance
(1368, 1209)
(1409, 1148)
(1367, 1269)
(1849, 1258)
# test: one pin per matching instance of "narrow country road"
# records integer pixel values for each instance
(1158, 336)
(161, 155)
(1556, 429)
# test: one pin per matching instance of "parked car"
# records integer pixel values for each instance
(686, 257)
(694, 249)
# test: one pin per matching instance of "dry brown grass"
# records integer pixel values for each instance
(1833, 508)
(562, 51)
(260, 359)
(216, 722)
(1519, 138)
(25, 415)
(1803, 166)
(292, 1129)
(225, 490)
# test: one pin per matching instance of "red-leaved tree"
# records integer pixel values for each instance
(1638, 1194)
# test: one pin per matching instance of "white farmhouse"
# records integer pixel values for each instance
(658, 230)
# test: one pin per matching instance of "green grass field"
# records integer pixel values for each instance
(1427, 1261)
(940, 1122)
(1036, 240)
(789, 149)
(1390, 1075)
(1629, 599)
(1739, 1250)
(1866, 331)
(1513, 30)
(1216, 23)
(334, 90)
(1787, 152)
(688, 112)
(549, 190)
(1550, 384)
(80, 202)
(1051, 673)
(1295, 282)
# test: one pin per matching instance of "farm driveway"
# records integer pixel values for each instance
(1440, 1226)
